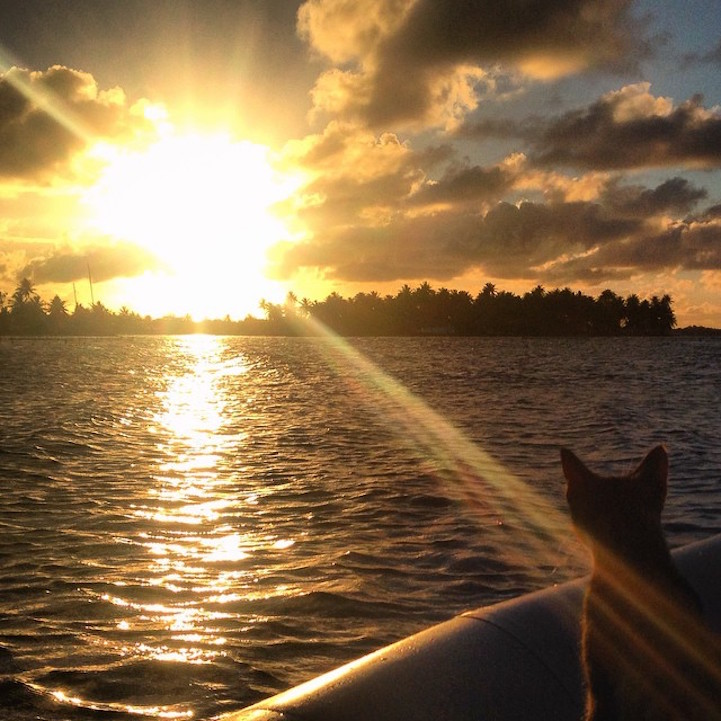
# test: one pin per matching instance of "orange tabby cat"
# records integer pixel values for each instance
(646, 653)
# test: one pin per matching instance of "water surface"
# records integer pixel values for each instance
(189, 524)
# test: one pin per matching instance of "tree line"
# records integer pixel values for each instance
(427, 311)
(412, 311)
(25, 313)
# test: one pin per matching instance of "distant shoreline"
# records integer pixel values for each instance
(696, 330)
(692, 331)
(420, 312)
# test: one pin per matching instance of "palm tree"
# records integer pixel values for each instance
(538, 292)
(664, 319)
(424, 290)
(404, 307)
(26, 309)
(667, 316)
(24, 293)
(291, 304)
(535, 317)
(57, 307)
(57, 315)
(305, 306)
(485, 307)
(610, 312)
(273, 311)
(489, 290)
(632, 314)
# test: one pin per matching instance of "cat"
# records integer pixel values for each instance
(645, 651)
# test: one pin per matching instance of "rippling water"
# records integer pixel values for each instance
(189, 524)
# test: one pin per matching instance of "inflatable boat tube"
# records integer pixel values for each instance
(514, 660)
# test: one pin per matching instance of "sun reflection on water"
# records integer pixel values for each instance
(191, 492)
(173, 607)
(204, 540)
(162, 712)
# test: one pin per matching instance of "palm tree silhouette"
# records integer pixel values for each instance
(24, 293)
(57, 307)
(57, 315)
(489, 290)
(26, 309)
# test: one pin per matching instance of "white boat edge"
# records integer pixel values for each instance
(517, 659)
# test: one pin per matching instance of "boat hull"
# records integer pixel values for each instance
(516, 659)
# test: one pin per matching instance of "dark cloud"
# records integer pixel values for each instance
(712, 213)
(122, 260)
(545, 38)
(45, 117)
(380, 214)
(712, 56)
(515, 241)
(355, 173)
(675, 195)
(491, 128)
(695, 246)
(464, 184)
(514, 31)
(508, 241)
(680, 247)
(410, 247)
(700, 246)
(422, 62)
(631, 128)
(627, 229)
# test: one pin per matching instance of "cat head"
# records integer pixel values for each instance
(609, 509)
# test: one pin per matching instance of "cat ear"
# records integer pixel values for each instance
(653, 473)
(574, 470)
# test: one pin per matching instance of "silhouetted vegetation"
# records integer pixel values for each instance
(419, 311)
(426, 311)
(24, 313)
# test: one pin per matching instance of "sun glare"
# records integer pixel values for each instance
(201, 203)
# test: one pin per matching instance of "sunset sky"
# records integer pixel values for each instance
(195, 157)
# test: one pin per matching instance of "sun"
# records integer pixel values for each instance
(202, 205)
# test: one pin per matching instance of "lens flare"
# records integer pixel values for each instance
(661, 646)
(502, 504)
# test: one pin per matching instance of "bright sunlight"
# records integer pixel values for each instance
(202, 204)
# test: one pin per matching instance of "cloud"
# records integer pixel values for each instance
(631, 128)
(598, 242)
(46, 117)
(375, 208)
(713, 56)
(491, 128)
(509, 241)
(675, 195)
(378, 210)
(344, 31)
(425, 62)
(691, 247)
(518, 240)
(105, 262)
(712, 213)
(467, 184)
(392, 222)
(409, 247)
(440, 99)
(357, 177)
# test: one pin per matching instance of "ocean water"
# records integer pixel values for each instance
(188, 524)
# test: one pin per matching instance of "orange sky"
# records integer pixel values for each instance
(197, 157)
